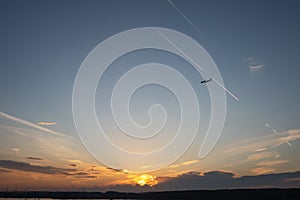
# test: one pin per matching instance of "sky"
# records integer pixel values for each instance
(254, 45)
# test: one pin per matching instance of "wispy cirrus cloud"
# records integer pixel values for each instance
(272, 162)
(261, 151)
(262, 155)
(30, 124)
(264, 142)
(252, 64)
(254, 68)
(275, 131)
(17, 150)
(268, 166)
(262, 170)
(185, 163)
(47, 123)
(65, 162)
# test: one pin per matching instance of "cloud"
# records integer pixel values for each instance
(80, 173)
(210, 180)
(262, 155)
(27, 123)
(22, 166)
(267, 125)
(222, 180)
(115, 170)
(252, 64)
(272, 162)
(261, 151)
(266, 167)
(60, 155)
(254, 68)
(248, 59)
(50, 170)
(275, 131)
(87, 176)
(262, 170)
(76, 161)
(293, 179)
(47, 123)
(56, 148)
(190, 162)
(3, 170)
(33, 158)
(264, 142)
(17, 150)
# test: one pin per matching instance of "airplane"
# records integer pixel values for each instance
(206, 81)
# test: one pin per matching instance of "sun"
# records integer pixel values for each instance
(146, 179)
(141, 182)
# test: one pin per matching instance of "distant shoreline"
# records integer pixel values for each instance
(194, 194)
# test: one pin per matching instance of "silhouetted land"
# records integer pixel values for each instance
(198, 194)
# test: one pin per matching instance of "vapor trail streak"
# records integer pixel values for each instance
(30, 124)
(226, 90)
(187, 19)
(275, 131)
(289, 144)
(195, 28)
(195, 63)
(178, 49)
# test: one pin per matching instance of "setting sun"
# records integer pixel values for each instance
(146, 179)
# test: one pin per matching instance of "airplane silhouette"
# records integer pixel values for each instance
(206, 81)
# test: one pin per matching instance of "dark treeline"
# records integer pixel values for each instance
(199, 194)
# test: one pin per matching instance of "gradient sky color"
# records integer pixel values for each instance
(255, 45)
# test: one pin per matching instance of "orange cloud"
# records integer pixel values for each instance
(262, 155)
(262, 170)
(272, 162)
(47, 123)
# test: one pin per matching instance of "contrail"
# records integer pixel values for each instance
(187, 19)
(267, 125)
(289, 144)
(195, 63)
(196, 29)
(178, 49)
(275, 131)
(226, 90)
(30, 124)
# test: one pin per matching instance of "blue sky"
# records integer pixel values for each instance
(43, 44)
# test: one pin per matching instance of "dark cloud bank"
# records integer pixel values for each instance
(218, 180)
(27, 167)
(189, 181)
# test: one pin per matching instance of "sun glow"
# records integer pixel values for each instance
(146, 179)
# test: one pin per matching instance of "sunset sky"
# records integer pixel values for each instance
(255, 45)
